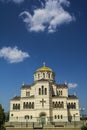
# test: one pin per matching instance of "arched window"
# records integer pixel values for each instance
(18, 106)
(56, 104)
(45, 91)
(27, 105)
(43, 75)
(39, 91)
(59, 104)
(24, 105)
(42, 90)
(13, 106)
(32, 105)
(74, 105)
(58, 116)
(26, 117)
(62, 104)
(38, 76)
(48, 75)
(61, 117)
(53, 105)
(69, 105)
(31, 117)
(61, 93)
(27, 93)
(55, 116)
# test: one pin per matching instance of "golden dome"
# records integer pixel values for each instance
(44, 68)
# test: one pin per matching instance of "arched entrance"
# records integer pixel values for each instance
(43, 118)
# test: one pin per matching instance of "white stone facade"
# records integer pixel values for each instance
(44, 101)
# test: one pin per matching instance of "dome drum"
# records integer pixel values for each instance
(44, 73)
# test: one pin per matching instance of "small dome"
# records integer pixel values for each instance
(44, 73)
(44, 68)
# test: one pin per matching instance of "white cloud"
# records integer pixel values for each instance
(72, 85)
(13, 55)
(48, 17)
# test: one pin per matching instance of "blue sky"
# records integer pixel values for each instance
(37, 31)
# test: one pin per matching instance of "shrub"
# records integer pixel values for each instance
(2, 128)
(84, 127)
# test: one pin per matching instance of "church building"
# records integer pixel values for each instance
(44, 101)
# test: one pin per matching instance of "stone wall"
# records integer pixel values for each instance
(43, 129)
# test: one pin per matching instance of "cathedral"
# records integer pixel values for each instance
(44, 101)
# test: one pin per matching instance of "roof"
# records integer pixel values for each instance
(16, 98)
(62, 85)
(26, 86)
(72, 97)
(32, 96)
(57, 96)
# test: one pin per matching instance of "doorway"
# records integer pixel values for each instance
(43, 118)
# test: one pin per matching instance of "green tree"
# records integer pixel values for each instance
(84, 127)
(2, 116)
(6, 116)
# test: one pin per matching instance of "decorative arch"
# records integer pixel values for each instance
(42, 114)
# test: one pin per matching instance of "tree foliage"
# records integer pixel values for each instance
(84, 127)
(2, 116)
(6, 116)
